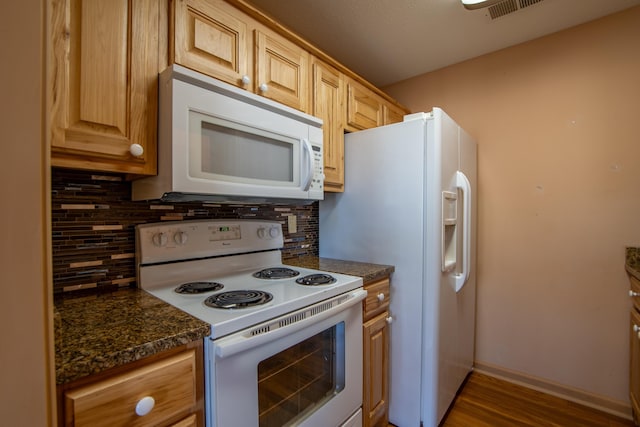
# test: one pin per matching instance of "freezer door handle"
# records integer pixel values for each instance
(462, 182)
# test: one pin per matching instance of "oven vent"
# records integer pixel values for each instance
(258, 331)
(509, 6)
(294, 318)
(297, 316)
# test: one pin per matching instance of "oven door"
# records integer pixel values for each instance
(303, 369)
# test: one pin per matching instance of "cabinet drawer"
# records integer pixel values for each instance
(171, 382)
(635, 287)
(377, 299)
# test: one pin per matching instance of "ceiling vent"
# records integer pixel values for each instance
(509, 6)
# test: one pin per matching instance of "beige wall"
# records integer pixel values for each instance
(558, 127)
(26, 376)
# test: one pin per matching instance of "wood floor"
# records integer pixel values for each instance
(489, 402)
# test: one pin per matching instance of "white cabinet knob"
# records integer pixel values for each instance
(136, 150)
(380, 297)
(246, 80)
(634, 294)
(636, 328)
(389, 320)
(263, 87)
(145, 405)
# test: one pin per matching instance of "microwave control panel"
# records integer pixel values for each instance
(317, 182)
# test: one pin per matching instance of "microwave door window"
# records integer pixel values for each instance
(232, 152)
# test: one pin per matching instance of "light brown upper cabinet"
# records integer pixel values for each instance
(208, 37)
(214, 38)
(392, 114)
(104, 63)
(364, 107)
(328, 104)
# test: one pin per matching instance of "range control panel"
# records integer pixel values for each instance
(174, 241)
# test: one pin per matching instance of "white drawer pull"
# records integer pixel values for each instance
(636, 328)
(145, 405)
(634, 294)
(389, 320)
(380, 297)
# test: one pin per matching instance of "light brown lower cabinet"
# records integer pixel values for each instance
(162, 390)
(375, 349)
(634, 346)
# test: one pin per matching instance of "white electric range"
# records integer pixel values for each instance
(229, 273)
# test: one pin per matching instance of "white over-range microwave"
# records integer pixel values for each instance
(219, 143)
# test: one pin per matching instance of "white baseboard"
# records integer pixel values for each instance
(602, 403)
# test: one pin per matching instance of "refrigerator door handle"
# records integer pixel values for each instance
(462, 183)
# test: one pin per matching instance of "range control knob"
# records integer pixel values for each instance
(160, 239)
(270, 233)
(180, 237)
(262, 232)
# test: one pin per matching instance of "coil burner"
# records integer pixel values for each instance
(238, 299)
(198, 287)
(316, 279)
(276, 273)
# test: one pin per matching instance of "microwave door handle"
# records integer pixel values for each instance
(307, 159)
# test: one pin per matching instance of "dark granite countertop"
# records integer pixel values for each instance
(101, 331)
(368, 272)
(632, 261)
(97, 332)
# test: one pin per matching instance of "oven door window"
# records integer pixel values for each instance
(230, 151)
(294, 383)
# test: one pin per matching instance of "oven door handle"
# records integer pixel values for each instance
(244, 340)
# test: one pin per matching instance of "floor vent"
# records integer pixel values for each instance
(509, 6)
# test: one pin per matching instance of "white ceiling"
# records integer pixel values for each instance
(387, 41)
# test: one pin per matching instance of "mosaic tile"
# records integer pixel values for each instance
(94, 219)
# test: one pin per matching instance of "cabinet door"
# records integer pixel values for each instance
(375, 371)
(392, 114)
(211, 38)
(364, 107)
(282, 71)
(328, 104)
(634, 368)
(190, 421)
(104, 84)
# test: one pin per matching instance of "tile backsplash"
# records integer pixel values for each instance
(93, 223)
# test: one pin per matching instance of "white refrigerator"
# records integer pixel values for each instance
(410, 201)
